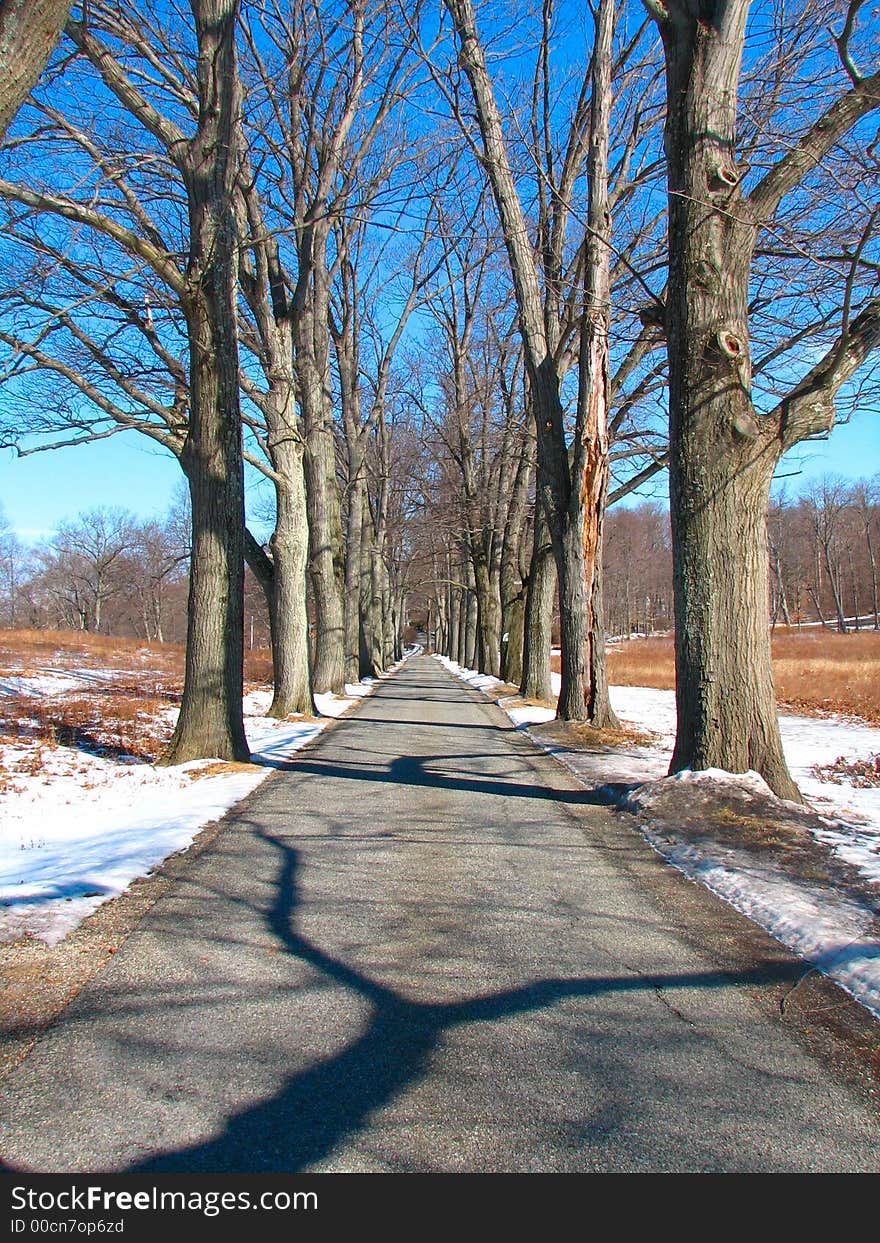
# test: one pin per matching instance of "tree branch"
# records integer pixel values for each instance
(809, 409)
(160, 261)
(836, 121)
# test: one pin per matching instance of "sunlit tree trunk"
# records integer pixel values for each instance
(722, 451)
(210, 721)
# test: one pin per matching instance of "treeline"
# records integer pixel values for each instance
(822, 566)
(822, 569)
(823, 556)
(104, 572)
(108, 572)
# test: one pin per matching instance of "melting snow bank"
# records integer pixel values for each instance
(836, 933)
(78, 828)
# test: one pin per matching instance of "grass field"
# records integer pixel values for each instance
(121, 698)
(817, 672)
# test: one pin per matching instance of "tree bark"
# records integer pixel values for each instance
(722, 452)
(283, 573)
(471, 630)
(536, 682)
(512, 584)
(594, 376)
(289, 546)
(211, 721)
(29, 30)
(356, 503)
(561, 493)
(326, 551)
(720, 473)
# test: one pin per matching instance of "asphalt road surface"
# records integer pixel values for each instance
(424, 947)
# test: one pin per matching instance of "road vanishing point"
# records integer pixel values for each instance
(424, 946)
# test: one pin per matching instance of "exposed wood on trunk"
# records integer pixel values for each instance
(560, 480)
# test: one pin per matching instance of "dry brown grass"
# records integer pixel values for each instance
(220, 768)
(588, 736)
(824, 672)
(108, 724)
(817, 672)
(643, 662)
(258, 666)
(129, 715)
(22, 650)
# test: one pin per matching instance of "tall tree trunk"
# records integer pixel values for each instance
(720, 468)
(368, 626)
(602, 715)
(290, 624)
(594, 377)
(460, 656)
(536, 682)
(471, 621)
(488, 612)
(514, 629)
(722, 453)
(454, 623)
(512, 586)
(389, 620)
(210, 721)
(374, 618)
(574, 629)
(357, 493)
(560, 494)
(326, 561)
(311, 337)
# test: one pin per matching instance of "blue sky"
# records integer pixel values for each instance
(128, 471)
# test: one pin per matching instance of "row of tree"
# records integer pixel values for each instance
(108, 572)
(822, 571)
(451, 312)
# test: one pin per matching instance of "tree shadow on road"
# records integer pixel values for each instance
(323, 1105)
(415, 770)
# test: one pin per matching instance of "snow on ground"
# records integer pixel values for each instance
(836, 934)
(77, 828)
(48, 682)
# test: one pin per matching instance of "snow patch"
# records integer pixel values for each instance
(78, 828)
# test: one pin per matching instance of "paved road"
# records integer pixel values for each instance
(423, 948)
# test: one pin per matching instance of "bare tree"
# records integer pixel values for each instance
(208, 441)
(211, 720)
(85, 565)
(561, 302)
(724, 450)
(865, 502)
(13, 558)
